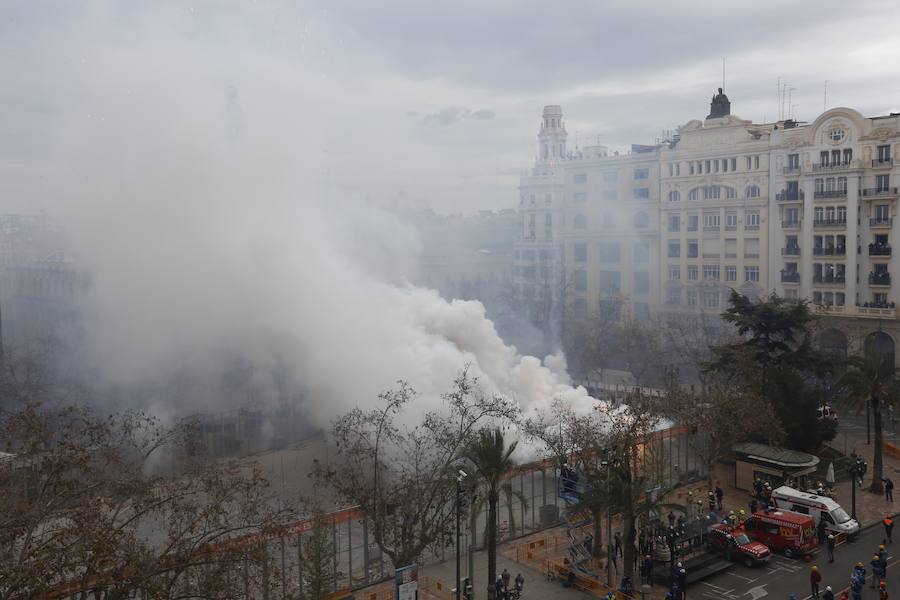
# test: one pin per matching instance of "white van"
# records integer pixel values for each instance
(818, 507)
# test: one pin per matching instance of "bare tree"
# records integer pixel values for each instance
(403, 477)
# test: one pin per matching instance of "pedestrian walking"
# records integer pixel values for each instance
(876, 570)
(859, 572)
(720, 495)
(883, 557)
(822, 531)
(888, 489)
(856, 583)
(828, 594)
(882, 591)
(888, 528)
(814, 579)
(711, 500)
(829, 544)
(617, 540)
(647, 570)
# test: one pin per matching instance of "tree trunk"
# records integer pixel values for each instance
(628, 550)
(597, 550)
(493, 500)
(877, 461)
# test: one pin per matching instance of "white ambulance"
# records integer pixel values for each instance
(818, 507)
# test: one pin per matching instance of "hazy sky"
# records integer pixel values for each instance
(425, 102)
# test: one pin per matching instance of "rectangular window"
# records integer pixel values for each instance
(882, 213)
(882, 182)
(731, 221)
(580, 280)
(677, 169)
(693, 248)
(644, 173)
(579, 178)
(730, 273)
(712, 247)
(641, 252)
(673, 296)
(731, 248)
(751, 248)
(756, 162)
(724, 165)
(674, 223)
(751, 273)
(580, 196)
(793, 161)
(580, 252)
(609, 252)
(693, 222)
(711, 221)
(693, 273)
(752, 220)
(711, 272)
(674, 249)
(884, 154)
(674, 272)
(692, 297)
(706, 165)
(641, 193)
(691, 167)
(749, 163)
(711, 299)
(642, 282)
(610, 281)
(734, 164)
(671, 169)
(579, 308)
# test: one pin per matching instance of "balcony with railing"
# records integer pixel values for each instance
(879, 192)
(836, 166)
(882, 162)
(829, 250)
(790, 251)
(790, 276)
(881, 222)
(790, 224)
(792, 170)
(832, 222)
(880, 278)
(789, 196)
(830, 279)
(825, 194)
(867, 311)
(877, 249)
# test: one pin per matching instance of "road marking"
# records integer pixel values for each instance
(758, 592)
(747, 579)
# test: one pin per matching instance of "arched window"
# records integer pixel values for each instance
(694, 194)
(711, 192)
(881, 344)
(580, 222)
(641, 220)
(674, 196)
(752, 191)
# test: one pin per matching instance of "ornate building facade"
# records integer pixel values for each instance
(802, 209)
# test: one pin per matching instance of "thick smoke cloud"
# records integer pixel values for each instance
(208, 199)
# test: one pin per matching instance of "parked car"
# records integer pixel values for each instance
(791, 533)
(736, 545)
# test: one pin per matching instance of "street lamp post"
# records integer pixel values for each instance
(855, 471)
(462, 475)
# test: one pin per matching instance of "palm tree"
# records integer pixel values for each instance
(868, 380)
(492, 459)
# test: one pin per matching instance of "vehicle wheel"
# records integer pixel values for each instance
(788, 553)
(748, 561)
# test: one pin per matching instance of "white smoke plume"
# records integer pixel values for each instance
(216, 204)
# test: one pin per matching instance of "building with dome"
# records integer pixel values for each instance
(802, 209)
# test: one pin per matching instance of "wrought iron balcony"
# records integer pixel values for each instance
(790, 277)
(879, 250)
(835, 222)
(830, 193)
(785, 196)
(879, 192)
(881, 222)
(790, 224)
(835, 279)
(880, 278)
(792, 170)
(829, 251)
(836, 166)
(791, 251)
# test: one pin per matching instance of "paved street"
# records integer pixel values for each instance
(784, 576)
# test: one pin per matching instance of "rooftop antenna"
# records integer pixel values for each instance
(825, 97)
(790, 106)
